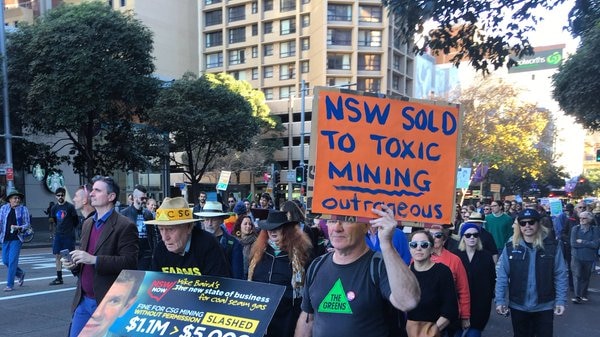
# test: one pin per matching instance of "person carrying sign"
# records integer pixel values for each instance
(347, 291)
(185, 249)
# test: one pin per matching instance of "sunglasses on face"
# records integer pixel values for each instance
(437, 235)
(60, 195)
(487, 209)
(422, 244)
(469, 235)
(526, 222)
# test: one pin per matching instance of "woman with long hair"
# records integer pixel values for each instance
(280, 255)
(244, 231)
(481, 273)
(438, 305)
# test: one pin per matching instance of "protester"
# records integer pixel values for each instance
(585, 241)
(481, 273)
(245, 232)
(148, 236)
(499, 224)
(340, 278)
(65, 218)
(533, 271)
(438, 305)
(280, 255)
(185, 248)
(15, 220)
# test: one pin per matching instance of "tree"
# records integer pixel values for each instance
(576, 86)
(507, 134)
(84, 71)
(483, 32)
(205, 120)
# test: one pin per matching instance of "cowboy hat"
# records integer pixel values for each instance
(476, 217)
(212, 209)
(274, 220)
(13, 193)
(172, 211)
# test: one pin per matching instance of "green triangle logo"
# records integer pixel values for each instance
(336, 301)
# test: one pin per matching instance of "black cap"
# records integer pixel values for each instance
(529, 213)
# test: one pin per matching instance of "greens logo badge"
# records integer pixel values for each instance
(336, 301)
(554, 58)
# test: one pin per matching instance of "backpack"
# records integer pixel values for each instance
(395, 318)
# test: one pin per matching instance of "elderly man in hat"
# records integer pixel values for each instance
(213, 216)
(15, 220)
(185, 248)
(347, 292)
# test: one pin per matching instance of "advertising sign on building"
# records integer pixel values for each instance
(540, 60)
(371, 151)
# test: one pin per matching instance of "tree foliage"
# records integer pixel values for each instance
(483, 32)
(576, 85)
(84, 71)
(509, 135)
(205, 119)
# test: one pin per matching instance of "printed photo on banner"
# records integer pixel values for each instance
(143, 303)
(370, 151)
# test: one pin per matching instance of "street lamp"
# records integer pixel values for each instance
(7, 136)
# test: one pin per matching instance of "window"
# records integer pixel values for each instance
(368, 84)
(286, 92)
(254, 52)
(214, 39)
(338, 61)
(268, 72)
(238, 75)
(255, 29)
(338, 81)
(369, 38)
(287, 26)
(287, 49)
(213, 18)
(339, 12)
(268, 49)
(339, 37)
(396, 82)
(268, 27)
(237, 13)
(287, 5)
(123, 3)
(214, 60)
(255, 73)
(254, 6)
(369, 62)
(268, 93)
(304, 67)
(397, 62)
(237, 57)
(287, 71)
(237, 35)
(305, 43)
(305, 20)
(268, 5)
(210, 2)
(370, 14)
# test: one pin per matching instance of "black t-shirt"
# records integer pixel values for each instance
(65, 217)
(205, 257)
(438, 295)
(345, 301)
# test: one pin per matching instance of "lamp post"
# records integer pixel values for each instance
(7, 135)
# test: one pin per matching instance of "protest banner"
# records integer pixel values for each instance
(367, 151)
(145, 304)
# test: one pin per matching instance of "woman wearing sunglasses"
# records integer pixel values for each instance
(438, 305)
(481, 274)
(532, 273)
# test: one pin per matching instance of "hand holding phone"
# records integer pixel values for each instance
(65, 255)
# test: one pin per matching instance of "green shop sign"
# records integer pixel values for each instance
(540, 60)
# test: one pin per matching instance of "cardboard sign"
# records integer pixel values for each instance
(223, 180)
(372, 151)
(143, 303)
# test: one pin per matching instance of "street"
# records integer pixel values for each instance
(37, 309)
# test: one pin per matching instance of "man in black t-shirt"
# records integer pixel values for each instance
(185, 249)
(65, 219)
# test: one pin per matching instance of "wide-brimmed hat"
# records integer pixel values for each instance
(476, 217)
(275, 219)
(13, 193)
(212, 209)
(172, 211)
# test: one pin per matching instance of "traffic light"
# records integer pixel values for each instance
(300, 174)
(598, 155)
(276, 177)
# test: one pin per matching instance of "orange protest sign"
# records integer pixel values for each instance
(372, 151)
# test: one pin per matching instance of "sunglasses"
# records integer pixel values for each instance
(60, 195)
(487, 209)
(469, 235)
(422, 244)
(526, 222)
(437, 235)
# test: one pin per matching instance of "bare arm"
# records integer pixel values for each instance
(403, 283)
(304, 325)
